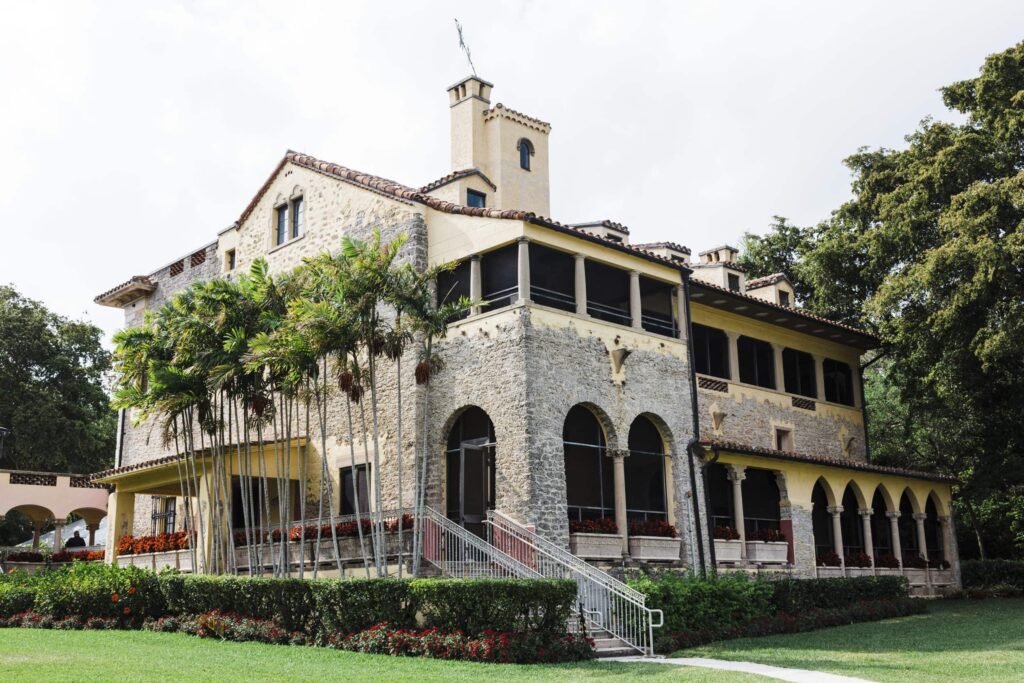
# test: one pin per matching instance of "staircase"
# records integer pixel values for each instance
(610, 612)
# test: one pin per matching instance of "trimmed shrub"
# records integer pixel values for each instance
(992, 573)
(128, 594)
(15, 599)
(800, 595)
(357, 604)
(691, 603)
(476, 605)
(287, 601)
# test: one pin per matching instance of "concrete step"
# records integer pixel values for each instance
(616, 652)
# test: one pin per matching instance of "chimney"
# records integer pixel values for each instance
(469, 99)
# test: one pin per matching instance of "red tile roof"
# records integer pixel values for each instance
(457, 175)
(759, 282)
(736, 447)
(141, 284)
(664, 245)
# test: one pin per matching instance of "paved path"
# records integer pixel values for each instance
(781, 673)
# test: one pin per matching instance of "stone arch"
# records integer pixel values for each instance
(90, 515)
(882, 491)
(647, 469)
(469, 467)
(667, 437)
(940, 508)
(830, 493)
(911, 496)
(858, 493)
(823, 498)
(909, 507)
(589, 476)
(603, 418)
(852, 503)
(35, 513)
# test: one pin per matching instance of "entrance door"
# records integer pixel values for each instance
(470, 479)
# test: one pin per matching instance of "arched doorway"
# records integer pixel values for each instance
(821, 521)
(646, 496)
(760, 502)
(881, 530)
(853, 528)
(908, 529)
(933, 533)
(589, 484)
(469, 470)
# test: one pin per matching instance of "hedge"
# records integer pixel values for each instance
(992, 574)
(357, 604)
(728, 606)
(288, 601)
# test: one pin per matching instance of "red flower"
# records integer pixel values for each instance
(131, 590)
(115, 597)
(127, 611)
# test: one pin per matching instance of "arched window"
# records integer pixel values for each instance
(881, 530)
(645, 473)
(589, 488)
(933, 532)
(469, 473)
(821, 521)
(853, 528)
(525, 152)
(908, 528)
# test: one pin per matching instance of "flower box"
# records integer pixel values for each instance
(830, 572)
(596, 546)
(728, 550)
(775, 552)
(916, 577)
(654, 548)
(942, 577)
(860, 571)
(887, 571)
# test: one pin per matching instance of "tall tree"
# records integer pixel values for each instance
(52, 390)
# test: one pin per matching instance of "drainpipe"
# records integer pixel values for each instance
(693, 445)
(707, 505)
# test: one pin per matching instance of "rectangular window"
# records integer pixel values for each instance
(298, 214)
(282, 224)
(354, 480)
(452, 285)
(838, 382)
(783, 439)
(784, 298)
(798, 373)
(734, 282)
(757, 362)
(229, 259)
(477, 200)
(710, 351)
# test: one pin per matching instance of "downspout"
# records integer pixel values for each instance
(707, 503)
(692, 447)
(119, 446)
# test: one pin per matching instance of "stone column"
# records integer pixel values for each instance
(92, 529)
(780, 375)
(37, 532)
(581, 284)
(786, 516)
(819, 376)
(58, 535)
(837, 532)
(922, 542)
(855, 375)
(120, 521)
(475, 283)
(894, 533)
(619, 486)
(734, 355)
(737, 473)
(869, 541)
(524, 269)
(682, 324)
(634, 299)
(946, 528)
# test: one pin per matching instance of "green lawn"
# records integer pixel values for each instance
(956, 641)
(95, 656)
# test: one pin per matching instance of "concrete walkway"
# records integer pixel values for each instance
(781, 673)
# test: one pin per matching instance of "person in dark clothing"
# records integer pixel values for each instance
(75, 541)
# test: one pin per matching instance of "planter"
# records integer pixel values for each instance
(830, 572)
(774, 552)
(916, 577)
(596, 546)
(728, 551)
(654, 548)
(887, 571)
(942, 577)
(860, 571)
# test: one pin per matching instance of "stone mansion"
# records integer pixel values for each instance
(598, 378)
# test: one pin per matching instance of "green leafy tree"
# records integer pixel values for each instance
(780, 250)
(52, 393)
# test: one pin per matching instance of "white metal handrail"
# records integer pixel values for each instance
(462, 554)
(603, 601)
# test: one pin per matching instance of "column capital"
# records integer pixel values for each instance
(920, 516)
(474, 257)
(580, 256)
(523, 240)
(736, 472)
(892, 514)
(943, 519)
(617, 453)
(835, 510)
(865, 512)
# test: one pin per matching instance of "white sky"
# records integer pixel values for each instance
(131, 132)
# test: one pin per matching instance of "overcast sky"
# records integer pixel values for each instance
(130, 133)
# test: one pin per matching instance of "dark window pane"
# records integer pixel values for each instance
(784, 298)
(476, 199)
(798, 373)
(282, 223)
(645, 472)
(453, 285)
(588, 471)
(656, 313)
(298, 215)
(524, 154)
(353, 481)
(499, 276)
(710, 351)
(608, 293)
(552, 277)
(756, 362)
(838, 382)
(734, 282)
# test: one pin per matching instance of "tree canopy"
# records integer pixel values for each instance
(928, 253)
(52, 393)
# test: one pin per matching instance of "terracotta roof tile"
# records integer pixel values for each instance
(603, 224)
(143, 283)
(766, 280)
(457, 175)
(823, 460)
(664, 245)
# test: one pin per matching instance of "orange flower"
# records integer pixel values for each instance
(127, 611)
(131, 590)
(115, 597)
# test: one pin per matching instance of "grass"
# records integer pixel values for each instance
(956, 641)
(95, 656)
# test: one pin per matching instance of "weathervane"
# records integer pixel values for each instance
(465, 48)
